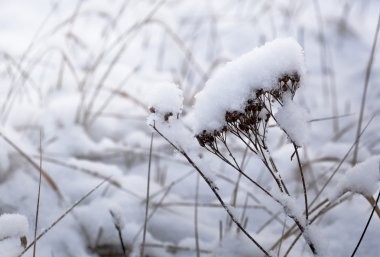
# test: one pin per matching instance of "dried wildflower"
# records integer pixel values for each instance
(205, 138)
(259, 75)
(253, 120)
(23, 241)
(167, 115)
(232, 116)
(286, 83)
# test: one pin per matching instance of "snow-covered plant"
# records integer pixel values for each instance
(73, 100)
(237, 105)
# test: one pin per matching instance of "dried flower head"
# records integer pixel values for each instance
(252, 121)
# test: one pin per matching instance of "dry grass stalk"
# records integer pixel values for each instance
(147, 199)
(43, 233)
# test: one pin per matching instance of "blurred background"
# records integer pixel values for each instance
(74, 76)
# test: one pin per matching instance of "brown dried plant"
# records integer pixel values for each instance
(250, 127)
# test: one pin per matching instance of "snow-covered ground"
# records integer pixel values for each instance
(85, 83)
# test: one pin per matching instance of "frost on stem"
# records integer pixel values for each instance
(239, 98)
(291, 208)
(310, 233)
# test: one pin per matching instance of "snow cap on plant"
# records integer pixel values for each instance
(165, 101)
(238, 97)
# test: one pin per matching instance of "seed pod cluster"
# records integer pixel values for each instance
(286, 83)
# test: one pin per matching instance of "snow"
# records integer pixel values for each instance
(363, 179)
(291, 208)
(105, 170)
(10, 247)
(231, 245)
(165, 101)
(13, 225)
(4, 158)
(236, 82)
(117, 216)
(311, 233)
(314, 235)
(217, 50)
(292, 118)
(338, 150)
(137, 139)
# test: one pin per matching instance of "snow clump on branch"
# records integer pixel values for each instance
(239, 96)
(165, 101)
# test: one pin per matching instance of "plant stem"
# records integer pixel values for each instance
(147, 197)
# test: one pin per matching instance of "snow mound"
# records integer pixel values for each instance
(165, 100)
(13, 225)
(361, 179)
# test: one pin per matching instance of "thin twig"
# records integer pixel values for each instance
(37, 167)
(154, 210)
(171, 248)
(366, 226)
(341, 162)
(92, 173)
(118, 228)
(196, 232)
(38, 199)
(282, 233)
(214, 190)
(364, 96)
(61, 217)
(147, 197)
(303, 182)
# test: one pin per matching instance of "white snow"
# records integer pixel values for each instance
(105, 170)
(292, 118)
(363, 179)
(13, 225)
(51, 85)
(337, 150)
(232, 85)
(4, 158)
(311, 233)
(233, 245)
(10, 247)
(165, 99)
(291, 207)
(315, 236)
